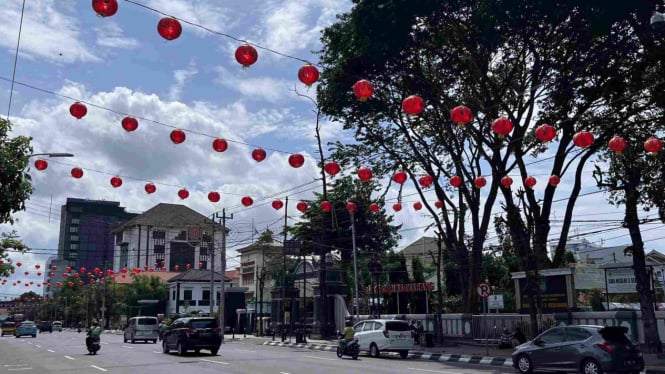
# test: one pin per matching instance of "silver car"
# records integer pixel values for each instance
(142, 328)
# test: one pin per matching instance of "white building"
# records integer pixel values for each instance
(191, 290)
(168, 236)
(255, 259)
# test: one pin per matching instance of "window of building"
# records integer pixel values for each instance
(187, 295)
(73, 238)
(159, 248)
(73, 255)
(76, 221)
(173, 295)
(118, 238)
(206, 295)
(158, 234)
(76, 209)
(182, 235)
(73, 229)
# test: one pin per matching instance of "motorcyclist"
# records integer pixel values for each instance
(93, 334)
(347, 334)
(162, 327)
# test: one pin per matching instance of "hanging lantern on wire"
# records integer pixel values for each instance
(214, 196)
(413, 105)
(41, 164)
(150, 188)
(130, 124)
(183, 193)
(502, 127)
(461, 115)
(78, 110)
(220, 145)
(169, 28)
(177, 136)
(363, 90)
(296, 160)
(246, 55)
(308, 74)
(247, 201)
(456, 181)
(277, 204)
(530, 182)
(480, 182)
(105, 8)
(365, 174)
(545, 133)
(583, 139)
(116, 182)
(653, 145)
(400, 177)
(259, 154)
(77, 172)
(302, 206)
(506, 181)
(331, 168)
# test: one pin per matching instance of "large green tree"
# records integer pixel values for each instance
(577, 65)
(145, 287)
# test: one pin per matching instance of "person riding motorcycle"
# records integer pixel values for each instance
(93, 334)
(347, 334)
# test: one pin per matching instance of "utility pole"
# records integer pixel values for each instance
(222, 301)
(355, 266)
(283, 319)
(212, 267)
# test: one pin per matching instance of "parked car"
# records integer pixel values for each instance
(382, 335)
(45, 326)
(57, 326)
(8, 328)
(584, 348)
(195, 333)
(141, 328)
(26, 328)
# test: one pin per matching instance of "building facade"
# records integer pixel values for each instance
(172, 237)
(60, 266)
(257, 261)
(85, 232)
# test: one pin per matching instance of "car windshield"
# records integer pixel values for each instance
(147, 321)
(27, 324)
(397, 326)
(204, 323)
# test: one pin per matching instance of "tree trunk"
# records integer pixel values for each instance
(439, 292)
(261, 286)
(642, 276)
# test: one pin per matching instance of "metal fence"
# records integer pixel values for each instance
(491, 326)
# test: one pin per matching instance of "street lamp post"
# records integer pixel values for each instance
(355, 266)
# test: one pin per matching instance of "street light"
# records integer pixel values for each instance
(53, 154)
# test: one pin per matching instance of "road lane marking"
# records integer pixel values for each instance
(156, 352)
(14, 365)
(283, 372)
(321, 358)
(128, 347)
(38, 346)
(98, 368)
(213, 361)
(247, 350)
(104, 343)
(17, 369)
(69, 358)
(435, 371)
(50, 350)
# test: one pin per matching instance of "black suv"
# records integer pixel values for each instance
(45, 326)
(195, 333)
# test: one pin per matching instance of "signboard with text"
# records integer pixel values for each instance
(400, 288)
(621, 281)
(495, 302)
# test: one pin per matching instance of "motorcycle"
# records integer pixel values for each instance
(93, 345)
(351, 349)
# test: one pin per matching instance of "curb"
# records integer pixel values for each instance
(421, 356)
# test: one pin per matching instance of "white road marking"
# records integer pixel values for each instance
(16, 369)
(50, 350)
(321, 358)
(156, 352)
(38, 346)
(104, 343)
(14, 365)
(98, 368)
(69, 358)
(29, 342)
(435, 371)
(128, 347)
(213, 361)
(283, 372)
(245, 350)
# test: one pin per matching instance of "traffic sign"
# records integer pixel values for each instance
(484, 290)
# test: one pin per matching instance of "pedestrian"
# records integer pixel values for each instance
(421, 333)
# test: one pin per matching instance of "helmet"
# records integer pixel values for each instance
(95, 323)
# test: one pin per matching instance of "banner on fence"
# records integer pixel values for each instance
(402, 288)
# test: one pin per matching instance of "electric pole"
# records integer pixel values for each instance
(222, 301)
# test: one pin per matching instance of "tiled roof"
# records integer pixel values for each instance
(196, 275)
(232, 274)
(169, 215)
(162, 275)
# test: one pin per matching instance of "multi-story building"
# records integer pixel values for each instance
(169, 236)
(257, 262)
(85, 232)
(60, 266)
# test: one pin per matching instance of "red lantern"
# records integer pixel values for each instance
(426, 181)
(150, 188)
(68, 269)
(617, 144)
(438, 204)
(296, 160)
(247, 201)
(76, 275)
(502, 126)
(70, 284)
(374, 207)
(259, 154)
(151, 270)
(480, 182)
(188, 266)
(214, 196)
(331, 168)
(92, 281)
(26, 272)
(506, 181)
(545, 133)
(81, 283)
(246, 55)
(220, 145)
(461, 115)
(82, 270)
(530, 182)
(326, 206)
(583, 139)
(308, 74)
(417, 205)
(176, 268)
(364, 174)
(183, 193)
(77, 172)
(41, 164)
(455, 181)
(400, 177)
(351, 207)
(413, 105)
(130, 124)
(178, 136)
(105, 8)
(169, 28)
(277, 204)
(53, 267)
(554, 180)
(78, 110)
(37, 266)
(397, 207)
(653, 145)
(301, 206)
(363, 90)
(200, 265)
(18, 264)
(116, 182)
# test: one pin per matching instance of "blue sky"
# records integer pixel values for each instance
(194, 82)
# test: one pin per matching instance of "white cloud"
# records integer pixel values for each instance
(110, 35)
(206, 13)
(256, 88)
(47, 33)
(181, 76)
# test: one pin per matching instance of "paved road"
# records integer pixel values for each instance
(64, 352)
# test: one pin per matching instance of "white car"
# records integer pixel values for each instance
(384, 335)
(57, 326)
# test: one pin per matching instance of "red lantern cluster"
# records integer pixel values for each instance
(583, 139)
(413, 105)
(461, 115)
(308, 74)
(169, 28)
(246, 55)
(363, 90)
(502, 127)
(545, 133)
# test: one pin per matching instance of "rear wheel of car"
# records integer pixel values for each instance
(165, 349)
(34, 335)
(197, 351)
(591, 366)
(154, 341)
(524, 364)
(374, 351)
(181, 349)
(404, 354)
(213, 352)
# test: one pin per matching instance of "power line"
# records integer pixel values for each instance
(18, 43)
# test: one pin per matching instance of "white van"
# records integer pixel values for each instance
(384, 335)
(141, 328)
